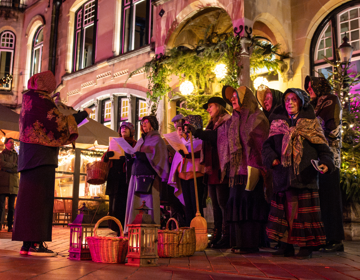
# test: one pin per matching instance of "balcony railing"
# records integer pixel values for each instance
(13, 4)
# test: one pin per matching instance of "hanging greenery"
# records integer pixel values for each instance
(197, 66)
(342, 80)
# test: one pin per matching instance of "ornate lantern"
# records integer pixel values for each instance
(143, 238)
(345, 50)
(79, 249)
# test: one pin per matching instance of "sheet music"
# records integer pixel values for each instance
(175, 141)
(85, 121)
(125, 145)
(116, 148)
(315, 163)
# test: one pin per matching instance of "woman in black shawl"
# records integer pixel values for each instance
(268, 99)
(43, 129)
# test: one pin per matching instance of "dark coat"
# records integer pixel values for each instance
(284, 177)
(328, 110)
(9, 177)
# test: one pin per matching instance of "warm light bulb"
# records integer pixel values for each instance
(260, 81)
(186, 88)
(220, 71)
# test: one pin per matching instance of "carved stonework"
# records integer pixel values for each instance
(8, 14)
(73, 92)
(121, 73)
(103, 75)
(88, 84)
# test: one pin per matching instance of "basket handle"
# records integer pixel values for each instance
(172, 219)
(109, 218)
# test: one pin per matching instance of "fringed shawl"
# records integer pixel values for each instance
(244, 133)
(292, 143)
(40, 120)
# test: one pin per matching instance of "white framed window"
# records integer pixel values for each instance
(85, 35)
(107, 111)
(136, 25)
(124, 109)
(348, 23)
(37, 50)
(142, 109)
(92, 114)
(7, 49)
(324, 46)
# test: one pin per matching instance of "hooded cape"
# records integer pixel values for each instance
(241, 138)
(277, 97)
(156, 152)
(40, 120)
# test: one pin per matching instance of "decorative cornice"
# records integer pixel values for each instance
(88, 84)
(129, 55)
(138, 72)
(79, 73)
(121, 73)
(103, 75)
(73, 92)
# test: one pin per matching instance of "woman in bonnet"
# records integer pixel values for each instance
(43, 129)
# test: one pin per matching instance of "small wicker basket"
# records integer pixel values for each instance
(180, 242)
(108, 249)
(97, 172)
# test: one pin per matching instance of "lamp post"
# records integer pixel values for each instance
(143, 238)
(345, 53)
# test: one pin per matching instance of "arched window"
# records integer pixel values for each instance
(136, 24)
(37, 49)
(328, 37)
(7, 49)
(85, 35)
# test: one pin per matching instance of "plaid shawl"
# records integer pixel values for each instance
(40, 120)
(292, 143)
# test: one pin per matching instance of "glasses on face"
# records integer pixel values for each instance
(291, 99)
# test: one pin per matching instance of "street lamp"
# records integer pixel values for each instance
(345, 50)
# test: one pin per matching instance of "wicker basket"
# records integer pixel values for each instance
(108, 249)
(180, 242)
(97, 172)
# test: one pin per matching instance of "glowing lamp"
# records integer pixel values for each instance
(220, 71)
(186, 88)
(79, 249)
(345, 50)
(260, 81)
(143, 238)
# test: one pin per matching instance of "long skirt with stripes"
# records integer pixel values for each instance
(295, 218)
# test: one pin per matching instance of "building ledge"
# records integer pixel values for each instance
(111, 61)
(159, 2)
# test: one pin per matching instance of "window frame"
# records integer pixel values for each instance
(130, 4)
(81, 30)
(333, 18)
(34, 48)
(12, 51)
(138, 114)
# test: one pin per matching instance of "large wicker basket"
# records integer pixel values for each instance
(97, 172)
(180, 242)
(108, 249)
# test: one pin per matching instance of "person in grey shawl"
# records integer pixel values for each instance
(150, 161)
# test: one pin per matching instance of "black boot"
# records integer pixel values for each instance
(285, 250)
(304, 253)
(224, 242)
(216, 237)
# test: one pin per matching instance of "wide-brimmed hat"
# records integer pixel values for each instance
(178, 120)
(227, 93)
(217, 100)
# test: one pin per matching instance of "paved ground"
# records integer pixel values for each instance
(211, 264)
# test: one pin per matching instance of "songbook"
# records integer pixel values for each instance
(175, 141)
(316, 165)
(85, 121)
(125, 145)
(116, 148)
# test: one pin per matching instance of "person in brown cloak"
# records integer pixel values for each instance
(43, 129)
(240, 160)
(328, 111)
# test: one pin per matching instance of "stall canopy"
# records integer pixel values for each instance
(9, 122)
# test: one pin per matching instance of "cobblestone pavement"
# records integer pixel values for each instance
(211, 264)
